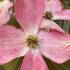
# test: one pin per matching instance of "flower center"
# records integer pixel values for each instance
(32, 41)
(48, 15)
(1, 0)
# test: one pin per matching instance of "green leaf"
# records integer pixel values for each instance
(54, 66)
(13, 65)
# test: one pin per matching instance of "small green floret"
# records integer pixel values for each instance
(32, 41)
(48, 15)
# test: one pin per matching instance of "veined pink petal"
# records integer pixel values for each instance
(10, 4)
(33, 61)
(29, 13)
(11, 44)
(52, 5)
(51, 25)
(5, 16)
(4, 11)
(55, 46)
(62, 15)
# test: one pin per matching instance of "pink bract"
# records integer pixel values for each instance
(32, 41)
(4, 11)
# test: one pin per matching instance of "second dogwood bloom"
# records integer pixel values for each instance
(54, 10)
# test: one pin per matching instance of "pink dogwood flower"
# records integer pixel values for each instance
(55, 11)
(5, 5)
(31, 41)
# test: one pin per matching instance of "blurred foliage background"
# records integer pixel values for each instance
(16, 64)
